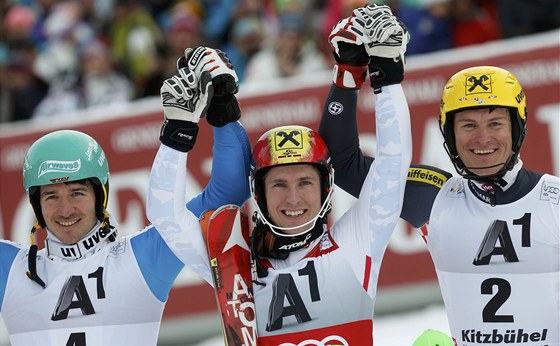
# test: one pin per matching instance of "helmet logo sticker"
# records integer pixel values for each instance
(59, 180)
(289, 143)
(59, 166)
(282, 138)
(481, 84)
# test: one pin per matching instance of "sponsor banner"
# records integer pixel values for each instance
(129, 137)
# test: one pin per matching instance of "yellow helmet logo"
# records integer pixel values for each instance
(478, 84)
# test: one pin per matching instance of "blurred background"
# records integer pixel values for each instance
(97, 66)
(62, 55)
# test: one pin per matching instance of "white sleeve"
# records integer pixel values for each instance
(166, 209)
(381, 197)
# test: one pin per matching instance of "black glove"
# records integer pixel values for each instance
(385, 71)
(385, 41)
(224, 107)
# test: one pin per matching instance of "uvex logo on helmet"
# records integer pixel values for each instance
(59, 166)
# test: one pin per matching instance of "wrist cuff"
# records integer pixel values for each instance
(179, 135)
(385, 71)
(348, 76)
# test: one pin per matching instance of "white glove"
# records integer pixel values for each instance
(385, 36)
(186, 95)
(224, 107)
(372, 10)
(215, 62)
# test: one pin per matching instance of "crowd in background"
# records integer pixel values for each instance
(57, 56)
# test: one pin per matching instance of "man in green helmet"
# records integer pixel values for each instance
(86, 286)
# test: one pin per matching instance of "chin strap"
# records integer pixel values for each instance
(107, 230)
(32, 257)
(266, 244)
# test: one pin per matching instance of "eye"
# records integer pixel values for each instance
(497, 124)
(278, 184)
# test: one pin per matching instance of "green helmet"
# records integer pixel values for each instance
(64, 156)
(433, 338)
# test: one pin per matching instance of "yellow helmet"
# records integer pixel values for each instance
(483, 87)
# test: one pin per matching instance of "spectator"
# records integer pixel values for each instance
(43, 9)
(291, 53)
(102, 84)
(429, 25)
(182, 28)
(524, 17)
(247, 37)
(472, 24)
(20, 88)
(219, 14)
(58, 66)
(57, 62)
(134, 37)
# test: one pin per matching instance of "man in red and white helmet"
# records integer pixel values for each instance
(293, 152)
(314, 284)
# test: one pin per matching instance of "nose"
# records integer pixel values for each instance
(482, 135)
(65, 208)
(292, 195)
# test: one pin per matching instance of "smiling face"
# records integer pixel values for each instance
(483, 139)
(293, 195)
(68, 209)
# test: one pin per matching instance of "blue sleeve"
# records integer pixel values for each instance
(229, 181)
(158, 264)
(8, 252)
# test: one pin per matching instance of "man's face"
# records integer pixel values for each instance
(483, 139)
(68, 210)
(293, 195)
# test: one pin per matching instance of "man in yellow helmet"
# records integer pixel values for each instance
(493, 231)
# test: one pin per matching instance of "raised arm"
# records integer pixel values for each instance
(186, 98)
(339, 125)
(381, 198)
(229, 182)
(339, 128)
